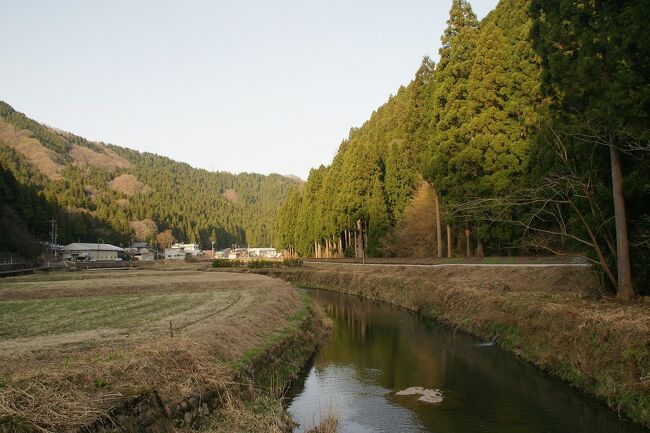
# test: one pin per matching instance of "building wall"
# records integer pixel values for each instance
(90, 255)
(174, 254)
(102, 255)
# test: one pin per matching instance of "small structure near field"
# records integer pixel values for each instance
(175, 254)
(192, 249)
(141, 251)
(91, 252)
(244, 253)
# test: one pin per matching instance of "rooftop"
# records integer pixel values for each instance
(85, 246)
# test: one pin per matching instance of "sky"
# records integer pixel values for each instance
(239, 86)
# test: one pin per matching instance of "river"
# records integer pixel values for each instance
(376, 350)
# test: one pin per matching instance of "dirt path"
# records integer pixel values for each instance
(462, 265)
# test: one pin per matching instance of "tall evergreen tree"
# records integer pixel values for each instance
(597, 68)
(450, 100)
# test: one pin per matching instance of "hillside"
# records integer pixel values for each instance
(96, 190)
(531, 134)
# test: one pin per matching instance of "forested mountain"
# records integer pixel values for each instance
(531, 132)
(95, 190)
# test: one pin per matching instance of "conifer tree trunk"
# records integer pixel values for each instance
(449, 244)
(438, 223)
(625, 287)
(468, 240)
(361, 235)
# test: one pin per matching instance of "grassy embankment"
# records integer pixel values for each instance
(150, 350)
(548, 316)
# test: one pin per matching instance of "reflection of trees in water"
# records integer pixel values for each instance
(508, 390)
(377, 337)
(483, 386)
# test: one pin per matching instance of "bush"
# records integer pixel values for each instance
(259, 264)
(256, 264)
(292, 263)
(226, 263)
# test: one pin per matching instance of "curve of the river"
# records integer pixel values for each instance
(377, 350)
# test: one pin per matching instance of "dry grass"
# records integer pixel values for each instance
(71, 381)
(415, 235)
(599, 345)
(520, 279)
(129, 185)
(263, 413)
(328, 420)
(40, 157)
(106, 159)
(329, 424)
(230, 194)
(123, 203)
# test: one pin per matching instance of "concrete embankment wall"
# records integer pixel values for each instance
(546, 315)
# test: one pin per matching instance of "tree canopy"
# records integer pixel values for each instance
(154, 193)
(518, 113)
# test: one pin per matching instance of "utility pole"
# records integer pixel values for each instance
(56, 244)
(51, 237)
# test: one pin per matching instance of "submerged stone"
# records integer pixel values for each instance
(426, 395)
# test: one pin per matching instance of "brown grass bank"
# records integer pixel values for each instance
(147, 350)
(545, 315)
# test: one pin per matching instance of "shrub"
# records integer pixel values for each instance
(226, 263)
(259, 264)
(292, 263)
(256, 264)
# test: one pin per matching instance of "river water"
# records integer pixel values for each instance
(376, 350)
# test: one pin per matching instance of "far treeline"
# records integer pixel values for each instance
(530, 136)
(56, 182)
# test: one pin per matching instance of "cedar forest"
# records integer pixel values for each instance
(176, 201)
(531, 133)
(529, 136)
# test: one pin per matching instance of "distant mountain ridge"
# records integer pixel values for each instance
(101, 190)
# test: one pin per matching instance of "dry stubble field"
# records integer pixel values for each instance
(74, 344)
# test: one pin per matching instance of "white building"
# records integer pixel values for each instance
(240, 253)
(82, 251)
(193, 249)
(268, 253)
(175, 254)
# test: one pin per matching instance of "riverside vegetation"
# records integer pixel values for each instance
(552, 317)
(256, 263)
(529, 136)
(172, 349)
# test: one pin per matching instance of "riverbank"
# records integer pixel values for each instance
(146, 350)
(548, 316)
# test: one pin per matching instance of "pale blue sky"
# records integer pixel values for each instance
(237, 86)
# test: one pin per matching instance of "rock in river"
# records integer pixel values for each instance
(426, 395)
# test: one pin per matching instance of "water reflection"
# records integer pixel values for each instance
(376, 350)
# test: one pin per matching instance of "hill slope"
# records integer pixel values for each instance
(96, 190)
